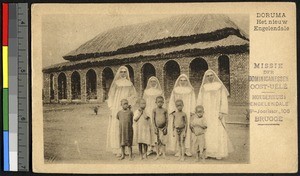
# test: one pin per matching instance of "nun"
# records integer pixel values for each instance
(213, 97)
(121, 88)
(153, 90)
(182, 90)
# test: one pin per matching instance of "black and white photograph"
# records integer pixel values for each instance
(157, 89)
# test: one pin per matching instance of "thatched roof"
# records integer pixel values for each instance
(230, 45)
(179, 36)
(154, 34)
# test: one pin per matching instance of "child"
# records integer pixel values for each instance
(142, 131)
(160, 123)
(180, 127)
(125, 117)
(198, 127)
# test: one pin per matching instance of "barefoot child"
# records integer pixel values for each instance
(142, 129)
(198, 127)
(180, 127)
(160, 120)
(125, 117)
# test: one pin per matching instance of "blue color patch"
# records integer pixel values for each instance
(6, 150)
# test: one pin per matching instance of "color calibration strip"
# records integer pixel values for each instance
(15, 86)
(5, 92)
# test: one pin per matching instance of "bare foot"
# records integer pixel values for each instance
(187, 153)
(156, 158)
(130, 158)
(164, 157)
(177, 154)
(122, 157)
(141, 157)
(182, 159)
(118, 155)
(178, 159)
(218, 158)
(145, 156)
(150, 152)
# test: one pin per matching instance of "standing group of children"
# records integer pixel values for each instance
(137, 127)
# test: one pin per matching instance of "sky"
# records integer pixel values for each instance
(62, 33)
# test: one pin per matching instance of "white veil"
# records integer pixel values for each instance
(153, 90)
(216, 79)
(125, 81)
(118, 75)
(178, 87)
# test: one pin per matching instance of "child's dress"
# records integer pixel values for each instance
(126, 130)
(142, 132)
(199, 128)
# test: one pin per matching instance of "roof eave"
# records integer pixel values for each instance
(232, 49)
(162, 43)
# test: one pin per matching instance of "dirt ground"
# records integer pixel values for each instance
(74, 134)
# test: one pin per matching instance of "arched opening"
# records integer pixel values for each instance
(51, 87)
(91, 85)
(171, 73)
(148, 70)
(131, 73)
(75, 85)
(224, 70)
(107, 78)
(62, 86)
(198, 67)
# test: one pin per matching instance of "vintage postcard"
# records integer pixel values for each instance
(164, 88)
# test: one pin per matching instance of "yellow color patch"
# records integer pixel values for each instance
(5, 66)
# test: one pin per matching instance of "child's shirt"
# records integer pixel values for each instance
(142, 129)
(198, 125)
(125, 118)
(141, 118)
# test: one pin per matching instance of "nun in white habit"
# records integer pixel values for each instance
(213, 97)
(121, 88)
(153, 90)
(182, 90)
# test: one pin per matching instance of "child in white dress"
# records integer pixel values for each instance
(142, 128)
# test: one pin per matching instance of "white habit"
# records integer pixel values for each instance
(121, 88)
(187, 95)
(213, 97)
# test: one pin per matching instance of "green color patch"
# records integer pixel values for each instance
(5, 109)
